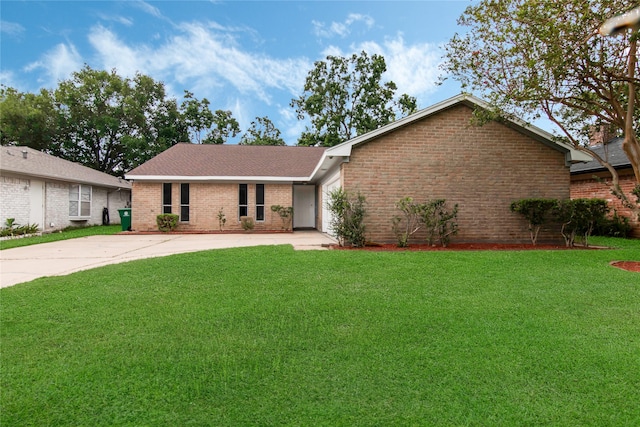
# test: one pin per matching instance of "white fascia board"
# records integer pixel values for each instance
(174, 178)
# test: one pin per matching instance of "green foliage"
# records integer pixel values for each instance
(347, 217)
(65, 234)
(439, 222)
(12, 229)
(167, 222)
(285, 214)
(262, 132)
(222, 220)
(107, 122)
(614, 226)
(26, 118)
(345, 97)
(247, 223)
(536, 212)
(104, 119)
(579, 218)
(225, 126)
(407, 225)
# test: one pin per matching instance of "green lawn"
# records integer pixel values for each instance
(70, 233)
(269, 336)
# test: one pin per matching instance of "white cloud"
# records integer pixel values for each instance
(114, 53)
(341, 29)
(413, 68)
(7, 78)
(11, 28)
(58, 64)
(147, 8)
(116, 18)
(203, 58)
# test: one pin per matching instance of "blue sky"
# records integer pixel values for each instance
(250, 57)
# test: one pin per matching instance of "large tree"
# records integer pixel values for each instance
(218, 125)
(345, 97)
(262, 132)
(105, 121)
(545, 57)
(225, 126)
(27, 118)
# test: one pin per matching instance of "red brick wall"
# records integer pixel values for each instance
(205, 200)
(482, 169)
(584, 186)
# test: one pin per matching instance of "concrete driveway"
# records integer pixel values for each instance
(68, 256)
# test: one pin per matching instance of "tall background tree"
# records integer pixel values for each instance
(345, 97)
(225, 126)
(262, 132)
(27, 118)
(104, 120)
(545, 57)
(107, 122)
(197, 116)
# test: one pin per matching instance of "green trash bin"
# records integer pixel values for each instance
(125, 219)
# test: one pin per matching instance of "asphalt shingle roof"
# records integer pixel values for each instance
(42, 165)
(611, 151)
(206, 160)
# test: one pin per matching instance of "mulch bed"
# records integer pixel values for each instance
(463, 247)
(627, 265)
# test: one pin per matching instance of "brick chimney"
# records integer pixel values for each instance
(601, 134)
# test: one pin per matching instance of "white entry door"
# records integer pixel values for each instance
(304, 206)
(36, 196)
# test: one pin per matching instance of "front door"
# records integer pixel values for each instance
(304, 206)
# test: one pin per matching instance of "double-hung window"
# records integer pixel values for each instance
(80, 201)
(184, 202)
(166, 198)
(259, 202)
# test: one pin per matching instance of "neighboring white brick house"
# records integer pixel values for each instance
(37, 188)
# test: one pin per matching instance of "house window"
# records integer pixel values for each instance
(80, 201)
(259, 202)
(243, 200)
(166, 198)
(184, 202)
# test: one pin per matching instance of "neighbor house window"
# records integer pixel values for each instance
(79, 200)
(259, 202)
(184, 202)
(243, 200)
(166, 198)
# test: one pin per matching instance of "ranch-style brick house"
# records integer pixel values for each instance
(435, 153)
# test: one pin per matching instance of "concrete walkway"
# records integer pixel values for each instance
(68, 256)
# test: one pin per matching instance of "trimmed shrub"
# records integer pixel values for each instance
(439, 222)
(247, 223)
(536, 212)
(348, 212)
(408, 224)
(286, 215)
(614, 226)
(167, 222)
(579, 218)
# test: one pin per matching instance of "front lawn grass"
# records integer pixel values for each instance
(67, 233)
(270, 336)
